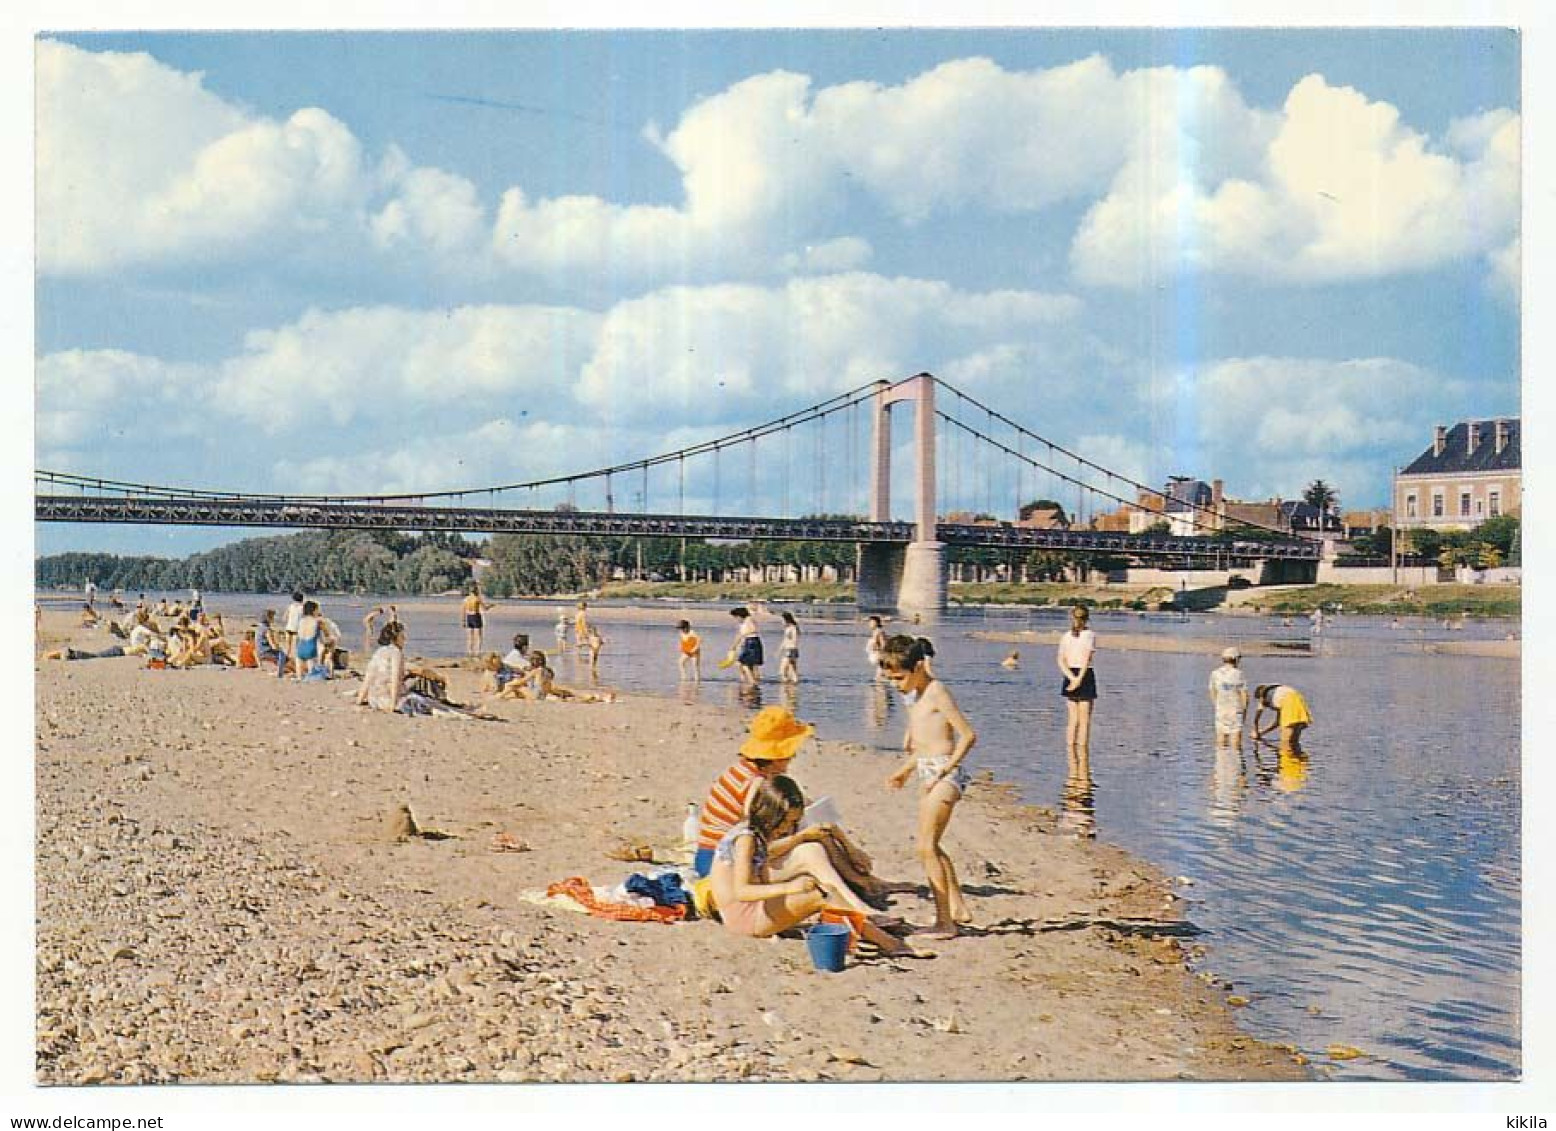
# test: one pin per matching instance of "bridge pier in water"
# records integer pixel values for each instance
(892, 576)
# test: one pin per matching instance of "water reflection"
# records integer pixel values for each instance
(1077, 804)
(1228, 783)
(748, 695)
(877, 700)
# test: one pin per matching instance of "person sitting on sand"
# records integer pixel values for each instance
(1011, 662)
(496, 675)
(89, 617)
(539, 683)
(690, 657)
(775, 738)
(247, 656)
(384, 682)
(162, 609)
(938, 739)
(1290, 713)
(756, 897)
(266, 647)
(143, 634)
(517, 659)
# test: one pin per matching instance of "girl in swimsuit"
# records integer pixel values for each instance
(307, 639)
(789, 651)
(938, 739)
(872, 650)
(749, 902)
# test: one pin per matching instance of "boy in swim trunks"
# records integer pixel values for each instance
(1290, 711)
(939, 737)
(1229, 698)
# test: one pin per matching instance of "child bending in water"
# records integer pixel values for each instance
(938, 739)
(752, 900)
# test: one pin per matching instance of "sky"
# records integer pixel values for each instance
(408, 261)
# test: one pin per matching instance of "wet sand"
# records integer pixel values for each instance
(221, 898)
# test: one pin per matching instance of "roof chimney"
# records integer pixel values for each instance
(1474, 436)
(1502, 436)
(1441, 440)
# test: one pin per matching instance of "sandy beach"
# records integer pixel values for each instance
(222, 897)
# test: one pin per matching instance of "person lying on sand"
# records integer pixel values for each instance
(775, 739)
(78, 654)
(756, 897)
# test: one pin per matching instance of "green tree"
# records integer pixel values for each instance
(1319, 494)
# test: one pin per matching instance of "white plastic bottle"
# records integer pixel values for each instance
(692, 826)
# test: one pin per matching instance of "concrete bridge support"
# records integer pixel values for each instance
(918, 583)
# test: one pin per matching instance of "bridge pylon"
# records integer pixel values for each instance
(892, 576)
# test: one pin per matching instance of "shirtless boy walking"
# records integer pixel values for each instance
(939, 737)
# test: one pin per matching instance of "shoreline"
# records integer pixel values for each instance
(219, 874)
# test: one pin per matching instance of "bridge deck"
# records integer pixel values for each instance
(368, 516)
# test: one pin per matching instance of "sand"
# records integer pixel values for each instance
(222, 897)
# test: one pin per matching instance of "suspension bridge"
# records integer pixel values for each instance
(993, 460)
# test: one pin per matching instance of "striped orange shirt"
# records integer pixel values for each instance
(726, 803)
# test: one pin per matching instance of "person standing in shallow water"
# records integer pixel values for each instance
(473, 609)
(747, 649)
(1076, 648)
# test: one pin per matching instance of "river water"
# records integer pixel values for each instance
(1368, 897)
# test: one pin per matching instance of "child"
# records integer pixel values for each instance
(877, 641)
(561, 631)
(1290, 711)
(1011, 662)
(538, 683)
(495, 675)
(1229, 699)
(939, 737)
(247, 658)
(595, 643)
(789, 651)
(690, 659)
(755, 902)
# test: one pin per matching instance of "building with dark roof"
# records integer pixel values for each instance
(1473, 471)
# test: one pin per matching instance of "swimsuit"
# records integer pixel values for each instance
(308, 649)
(751, 918)
(931, 766)
(472, 620)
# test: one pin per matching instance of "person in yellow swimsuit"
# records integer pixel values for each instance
(1290, 714)
(690, 660)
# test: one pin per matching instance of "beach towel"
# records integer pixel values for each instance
(577, 888)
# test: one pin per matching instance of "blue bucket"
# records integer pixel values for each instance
(828, 946)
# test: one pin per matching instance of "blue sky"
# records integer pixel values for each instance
(345, 262)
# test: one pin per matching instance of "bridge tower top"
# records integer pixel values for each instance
(920, 391)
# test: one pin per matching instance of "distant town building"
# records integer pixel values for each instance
(970, 518)
(1472, 471)
(1359, 523)
(1037, 517)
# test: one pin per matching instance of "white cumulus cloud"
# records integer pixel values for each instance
(1342, 189)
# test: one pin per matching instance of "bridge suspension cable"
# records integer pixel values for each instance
(1082, 461)
(818, 411)
(968, 431)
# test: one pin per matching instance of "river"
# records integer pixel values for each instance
(1368, 897)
